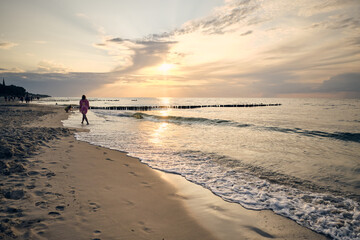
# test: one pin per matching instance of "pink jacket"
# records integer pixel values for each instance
(84, 106)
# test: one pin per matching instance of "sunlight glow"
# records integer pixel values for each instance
(165, 101)
(165, 67)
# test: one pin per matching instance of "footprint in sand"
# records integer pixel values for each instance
(94, 206)
(50, 174)
(33, 173)
(32, 186)
(96, 233)
(41, 204)
(146, 184)
(129, 203)
(39, 193)
(60, 208)
(41, 228)
(134, 174)
(54, 214)
(144, 228)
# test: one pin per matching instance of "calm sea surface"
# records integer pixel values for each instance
(300, 159)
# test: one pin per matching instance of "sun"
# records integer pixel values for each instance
(165, 67)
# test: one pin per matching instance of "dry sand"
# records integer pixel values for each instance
(55, 187)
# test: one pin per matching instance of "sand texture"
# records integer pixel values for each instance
(55, 187)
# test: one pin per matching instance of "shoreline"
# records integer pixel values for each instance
(97, 193)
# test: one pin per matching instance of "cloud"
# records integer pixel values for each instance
(11, 70)
(118, 40)
(7, 45)
(347, 82)
(246, 33)
(322, 7)
(46, 66)
(223, 19)
(338, 22)
(141, 53)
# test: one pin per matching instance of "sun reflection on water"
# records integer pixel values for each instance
(159, 133)
(165, 113)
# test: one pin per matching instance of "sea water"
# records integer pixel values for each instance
(300, 160)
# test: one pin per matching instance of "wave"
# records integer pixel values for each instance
(322, 209)
(343, 136)
(255, 188)
(181, 120)
(331, 214)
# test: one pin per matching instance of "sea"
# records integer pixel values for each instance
(300, 159)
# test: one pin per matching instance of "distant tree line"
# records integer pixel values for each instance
(12, 91)
(15, 91)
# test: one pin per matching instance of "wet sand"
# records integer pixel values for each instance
(55, 187)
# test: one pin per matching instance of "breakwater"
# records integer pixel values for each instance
(149, 108)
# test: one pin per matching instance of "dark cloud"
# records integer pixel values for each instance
(271, 83)
(277, 84)
(149, 40)
(355, 41)
(147, 53)
(246, 33)
(118, 40)
(58, 84)
(348, 82)
(275, 88)
(154, 43)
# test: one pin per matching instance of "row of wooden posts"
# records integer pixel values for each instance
(148, 108)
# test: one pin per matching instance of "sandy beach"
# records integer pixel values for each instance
(55, 187)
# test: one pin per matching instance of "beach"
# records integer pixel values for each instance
(53, 186)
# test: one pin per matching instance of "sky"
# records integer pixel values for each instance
(182, 48)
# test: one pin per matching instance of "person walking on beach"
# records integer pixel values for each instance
(84, 106)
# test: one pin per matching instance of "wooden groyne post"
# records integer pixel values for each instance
(149, 108)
